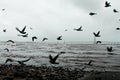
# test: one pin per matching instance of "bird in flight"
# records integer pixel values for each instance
(53, 59)
(11, 41)
(6, 49)
(3, 9)
(33, 38)
(117, 28)
(98, 42)
(59, 38)
(66, 30)
(89, 63)
(109, 49)
(4, 30)
(97, 34)
(21, 31)
(92, 13)
(45, 39)
(115, 11)
(79, 29)
(107, 4)
(20, 62)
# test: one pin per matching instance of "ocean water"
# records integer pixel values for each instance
(76, 56)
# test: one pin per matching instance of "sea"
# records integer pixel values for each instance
(76, 55)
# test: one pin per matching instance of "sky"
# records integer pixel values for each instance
(50, 18)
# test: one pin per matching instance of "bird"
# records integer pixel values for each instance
(33, 38)
(6, 49)
(115, 11)
(97, 34)
(21, 31)
(4, 30)
(53, 59)
(3, 9)
(66, 30)
(11, 41)
(107, 4)
(98, 42)
(24, 35)
(117, 28)
(89, 63)
(109, 49)
(45, 39)
(92, 13)
(79, 29)
(59, 38)
(20, 62)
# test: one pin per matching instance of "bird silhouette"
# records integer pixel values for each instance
(45, 39)
(92, 13)
(20, 62)
(97, 34)
(66, 30)
(109, 49)
(11, 41)
(79, 29)
(59, 38)
(6, 49)
(117, 28)
(3, 9)
(89, 63)
(33, 38)
(53, 59)
(24, 35)
(4, 30)
(107, 4)
(115, 11)
(98, 42)
(21, 31)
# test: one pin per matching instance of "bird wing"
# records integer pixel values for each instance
(18, 29)
(26, 60)
(94, 33)
(23, 29)
(55, 58)
(98, 32)
(50, 57)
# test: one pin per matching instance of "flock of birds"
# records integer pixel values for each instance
(52, 60)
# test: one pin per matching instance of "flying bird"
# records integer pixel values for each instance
(4, 30)
(109, 49)
(21, 31)
(66, 30)
(33, 38)
(11, 41)
(59, 38)
(115, 11)
(6, 49)
(107, 4)
(92, 13)
(117, 28)
(20, 62)
(98, 42)
(53, 59)
(45, 39)
(89, 63)
(97, 34)
(3, 9)
(79, 29)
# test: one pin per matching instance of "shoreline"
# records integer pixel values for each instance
(30, 72)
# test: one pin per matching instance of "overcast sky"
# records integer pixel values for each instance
(50, 18)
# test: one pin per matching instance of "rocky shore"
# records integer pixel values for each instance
(18, 72)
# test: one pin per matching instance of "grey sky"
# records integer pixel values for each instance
(49, 18)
